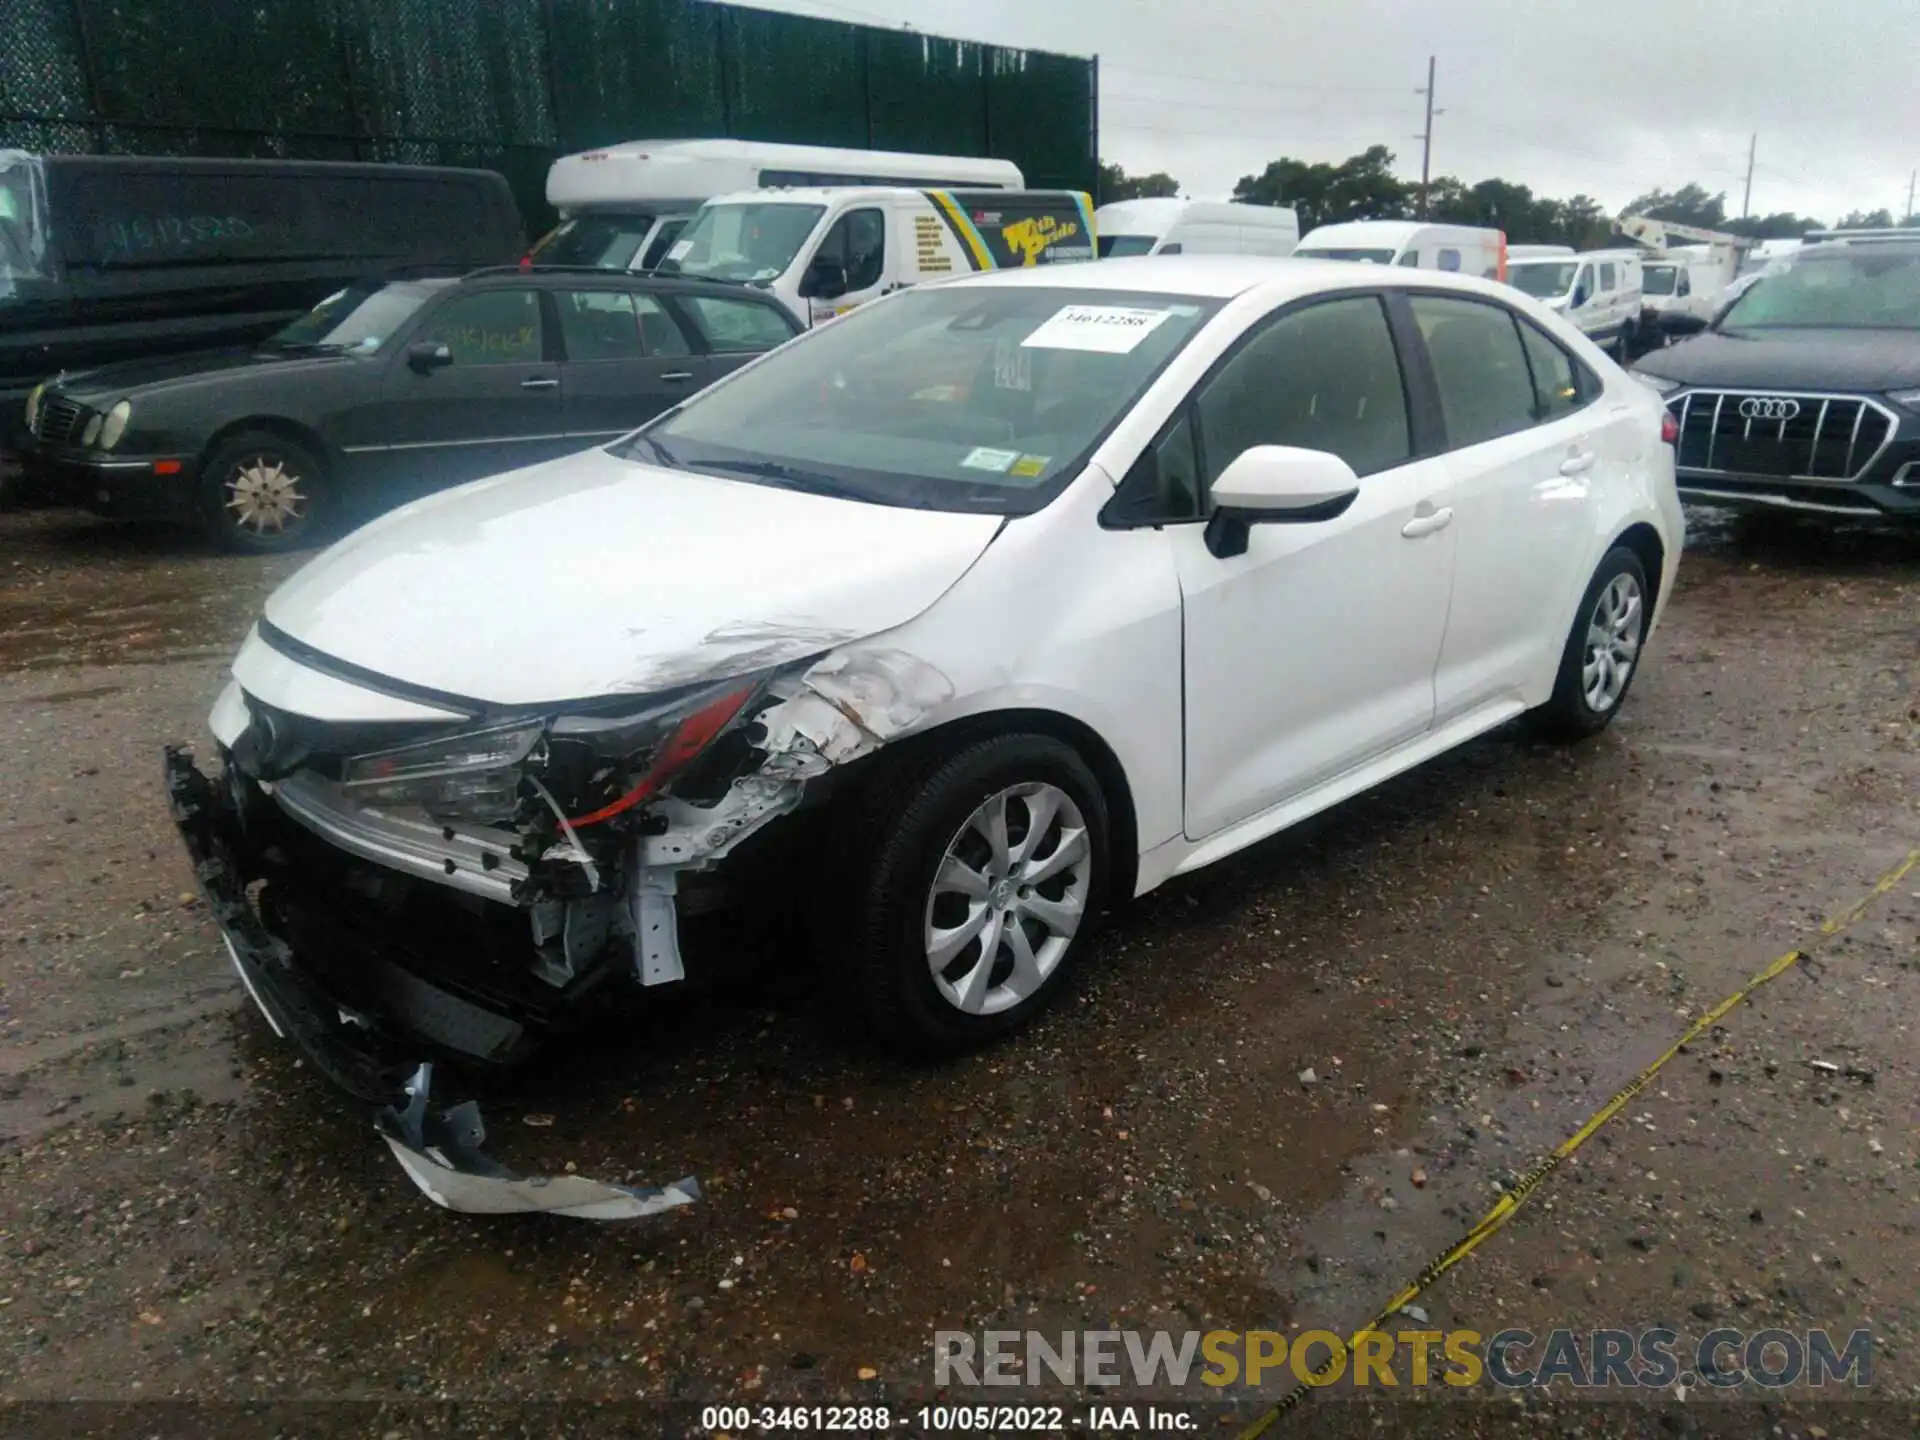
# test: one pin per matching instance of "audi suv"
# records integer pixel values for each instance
(1803, 394)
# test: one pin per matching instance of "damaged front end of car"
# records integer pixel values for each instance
(396, 894)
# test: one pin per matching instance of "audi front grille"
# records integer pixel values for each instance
(1783, 436)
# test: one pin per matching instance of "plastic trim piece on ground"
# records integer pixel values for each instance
(441, 1154)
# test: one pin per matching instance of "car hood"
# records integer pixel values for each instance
(1849, 360)
(134, 378)
(595, 575)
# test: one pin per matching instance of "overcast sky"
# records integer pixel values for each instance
(1610, 97)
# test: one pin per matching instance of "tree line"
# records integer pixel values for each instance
(1364, 187)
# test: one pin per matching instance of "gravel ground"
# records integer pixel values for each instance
(1287, 1083)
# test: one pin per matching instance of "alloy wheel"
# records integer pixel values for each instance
(1008, 897)
(1613, 643)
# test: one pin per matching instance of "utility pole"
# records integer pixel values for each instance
(1746, 200)
(1426, 140)
(1910, 183)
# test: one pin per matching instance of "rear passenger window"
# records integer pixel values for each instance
(1449, 259)
(1486, 388)
(616, 325)
(1561, 385)
(1323, 378)
(1607, 278)
(735, 325)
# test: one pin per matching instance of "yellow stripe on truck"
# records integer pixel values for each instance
(963, 227)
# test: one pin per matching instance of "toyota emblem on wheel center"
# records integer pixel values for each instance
(1768, 407)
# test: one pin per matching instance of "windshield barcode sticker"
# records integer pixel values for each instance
(1106, 329)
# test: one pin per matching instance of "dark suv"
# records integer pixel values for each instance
(1804, 394)
(385, 390)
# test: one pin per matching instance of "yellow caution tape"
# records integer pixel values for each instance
(1523, 1188)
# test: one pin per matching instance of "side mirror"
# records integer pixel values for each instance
(427, 355)
(826, 279)
(1682, 324)
(1276, 484)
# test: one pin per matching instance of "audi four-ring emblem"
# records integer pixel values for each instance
(1768, 407)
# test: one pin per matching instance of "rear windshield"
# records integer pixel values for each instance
(1543, 282)
(125, 218)
(1113, 247)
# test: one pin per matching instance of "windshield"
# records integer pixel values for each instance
(1370, 257)
(1115, 247)
(976, 397)
(1657, 279)
(22, 246)
(359, 317)
(1860, 288)
(606, 242)
(753, 241)
(1543, 282)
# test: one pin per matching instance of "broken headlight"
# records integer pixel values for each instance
(601, 765)
(473, 775)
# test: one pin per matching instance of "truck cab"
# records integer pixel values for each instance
(824, 252)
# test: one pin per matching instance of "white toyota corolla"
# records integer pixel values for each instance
(986, 605)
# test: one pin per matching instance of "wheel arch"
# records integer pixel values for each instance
(1645, 542)
(302, 435)
(925, 747)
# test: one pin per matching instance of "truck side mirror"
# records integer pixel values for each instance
(424, 356)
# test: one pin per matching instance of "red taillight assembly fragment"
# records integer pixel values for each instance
(1669, 428)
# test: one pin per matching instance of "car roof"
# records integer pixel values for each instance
(1223, 277)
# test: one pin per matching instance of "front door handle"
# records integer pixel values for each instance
(545, 384)
(1578, 463)
(672, 375)
(1432, 522)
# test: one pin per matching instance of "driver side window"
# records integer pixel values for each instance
(858, 244)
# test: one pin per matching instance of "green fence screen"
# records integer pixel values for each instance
(510, 84)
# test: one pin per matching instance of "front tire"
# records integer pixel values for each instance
(1602, 654)
(976, 897)
(263, 494)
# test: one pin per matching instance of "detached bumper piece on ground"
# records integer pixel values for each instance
(440, 1151)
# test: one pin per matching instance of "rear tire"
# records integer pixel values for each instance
(262, 494)
(1602, 653)
(975, 894)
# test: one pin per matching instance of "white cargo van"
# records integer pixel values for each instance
(824, 252)
(622, 207)
(1194, 227)
(1599, 291)
(1535, 252)
(1466, 249)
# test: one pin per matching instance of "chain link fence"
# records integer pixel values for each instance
(509, 84)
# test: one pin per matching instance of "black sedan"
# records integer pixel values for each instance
(1803, 395)
(386, 390)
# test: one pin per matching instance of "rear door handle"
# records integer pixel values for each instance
(1431, 523)
(1578, 463)
(546, 384)
(678, 375)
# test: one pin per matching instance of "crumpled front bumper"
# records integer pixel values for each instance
(439, 1150)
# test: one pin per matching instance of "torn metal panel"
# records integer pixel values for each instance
(441, 1154)
(850, 704)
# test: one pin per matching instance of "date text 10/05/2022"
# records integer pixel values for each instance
(727, 1420)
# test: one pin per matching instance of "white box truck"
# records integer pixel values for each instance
(1194, 227)
(622, 207)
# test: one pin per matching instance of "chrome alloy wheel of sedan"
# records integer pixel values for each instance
(1613, 643)
(1009, 895)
